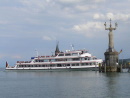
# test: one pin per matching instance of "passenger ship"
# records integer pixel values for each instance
(70, 60)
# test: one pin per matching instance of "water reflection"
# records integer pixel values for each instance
(64, 84)
(112, 84)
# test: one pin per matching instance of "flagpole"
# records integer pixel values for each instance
(36, 53)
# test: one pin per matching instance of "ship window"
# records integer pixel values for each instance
(82, 58)
(74, 54)
(77, 64)
(61, 55)
(95, 58)
(69, 59)
(83, 64)
(46, 60)
(59, 65)
(89, 58)
(67, 54)
(47, 65)
(75, 59)
(94, 63)
(68, 64)
(38, 60)
(52, 65)
(42, 60)
(60, 59)
(43, 65)
(85, 51)
(73, 64)
(52, 60)
(86, 58)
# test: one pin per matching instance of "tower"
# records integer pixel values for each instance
(111, 55)
(57, 49)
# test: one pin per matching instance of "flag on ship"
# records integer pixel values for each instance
(120, 51)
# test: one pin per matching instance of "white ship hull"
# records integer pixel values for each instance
(92, 67)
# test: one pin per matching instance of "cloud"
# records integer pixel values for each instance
(117, 16)
(48, 38)
(98, 16)
(16, 57)
(1, 56)
(10, 56)
(82, 7)
(70, 1)
(79, 1)
(99, 1)
(88, 26)
(35, 5)
(90, 29)
(2, 22)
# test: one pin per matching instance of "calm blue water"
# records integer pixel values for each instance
(63, 84)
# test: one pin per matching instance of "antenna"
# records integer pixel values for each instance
(52, 53)
(36, 53)
(72, 46)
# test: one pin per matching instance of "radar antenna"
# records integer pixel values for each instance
(72, 46)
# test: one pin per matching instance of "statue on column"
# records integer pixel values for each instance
(110, 35)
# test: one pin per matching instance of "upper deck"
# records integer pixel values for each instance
(75, 55)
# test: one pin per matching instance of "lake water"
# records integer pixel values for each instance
(63, 84)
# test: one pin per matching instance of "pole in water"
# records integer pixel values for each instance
(121, 68)
(105, 68)
(99, 67)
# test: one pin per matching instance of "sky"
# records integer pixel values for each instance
(28, 26)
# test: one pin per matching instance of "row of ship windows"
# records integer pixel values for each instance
(71, 54)
(54, 60)
(58, 65)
